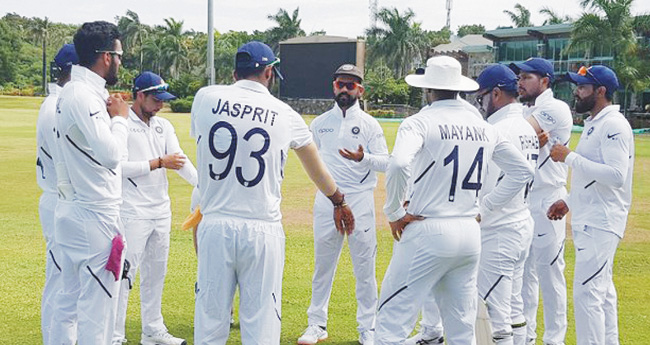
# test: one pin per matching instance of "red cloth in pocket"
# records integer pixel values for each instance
(115, 259)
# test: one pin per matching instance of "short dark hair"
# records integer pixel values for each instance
(244, 73)
(94, 36)
(510, 93)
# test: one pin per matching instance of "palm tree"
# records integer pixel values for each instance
(399, 43)
(40, 28)
(174, 47)
(521, 18)
(133, 34)
(288, 26)
(553, 17)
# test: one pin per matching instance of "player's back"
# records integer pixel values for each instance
(243, 136)
(447, 172)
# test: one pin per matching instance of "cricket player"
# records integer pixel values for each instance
(506, 233)
(445, 147)
(92, 136)
(353, 147)
(46, 179)
(153, 149)
(544, 268)
(243, 138)
(601, 193)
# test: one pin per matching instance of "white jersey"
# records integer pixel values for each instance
(332, 131)
(509, 122)
(45, 141)
(243, 136)
(603, 166)
(554, 117)
(145, 191)
(446, 145)
(91, 142)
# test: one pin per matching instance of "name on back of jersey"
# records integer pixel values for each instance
(461, 132)
(243, 111)
(529, 142)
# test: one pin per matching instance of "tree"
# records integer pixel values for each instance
(397, 41)
(553, 17)
(474, 29)
(174, 47)
(288, 26)
(521, 18)
(40, 28)
(133, 34)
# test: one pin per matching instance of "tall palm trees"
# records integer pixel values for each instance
(288, 26)
(40, 29)
(133, 33)
(553, 17)
(520, 17)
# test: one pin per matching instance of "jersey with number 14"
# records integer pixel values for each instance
(243, 135)
(448, 147)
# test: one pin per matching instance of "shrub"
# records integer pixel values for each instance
(182, 105)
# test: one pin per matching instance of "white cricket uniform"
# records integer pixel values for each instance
(146, 215)
(544, 268)
(243, 137)
(91, 145)
(601, 193)
(506, 234)
(444, 145)
(46, 179)
(357, 180)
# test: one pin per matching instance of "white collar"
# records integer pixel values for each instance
(353, 110)
(252, 85)
(53, 89)
(85, 75)
(601, 114)
(511, 110)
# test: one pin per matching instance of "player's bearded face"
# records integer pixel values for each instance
(344, 99)
(585, 103)
(111, 77)
(530, 86)
(346, 91)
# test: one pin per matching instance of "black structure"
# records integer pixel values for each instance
(309, 62)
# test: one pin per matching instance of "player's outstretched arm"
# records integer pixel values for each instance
(315, 168)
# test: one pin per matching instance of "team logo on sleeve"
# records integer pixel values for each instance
(159, 130)
(355, 130)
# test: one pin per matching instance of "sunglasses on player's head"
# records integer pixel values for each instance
(350, 85)
(584, 71)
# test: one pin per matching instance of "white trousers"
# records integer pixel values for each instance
(148, 250)
(53, 276)
(327, 248)
(245, 253)
(433, 255)
(503, 253)
(594, 294)
(85, 238)
(544, 270)
(431, 322)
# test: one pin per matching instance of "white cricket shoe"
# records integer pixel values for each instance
(424, 339)
(118, 341)
(367, 337)
(163, 338)
(312, 335)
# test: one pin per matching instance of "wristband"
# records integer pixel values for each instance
(160, 161)
(342, 204)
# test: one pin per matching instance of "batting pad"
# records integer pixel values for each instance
(483, 329)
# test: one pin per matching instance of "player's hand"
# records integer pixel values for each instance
(559, 152)
(558, 210)
(543, 137)
(343, 219)
(397, 227)
(356, 156)
(173, 161)
(117, 106)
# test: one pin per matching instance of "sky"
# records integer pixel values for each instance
(337, 17)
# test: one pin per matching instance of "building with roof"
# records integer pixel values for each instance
(474, 52)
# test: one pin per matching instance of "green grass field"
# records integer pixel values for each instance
(22, 252)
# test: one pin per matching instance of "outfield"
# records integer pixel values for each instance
(22, 253)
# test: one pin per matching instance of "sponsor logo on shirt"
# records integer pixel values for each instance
(326, 130)
(547, 116)
(591, 130)
(613, 136)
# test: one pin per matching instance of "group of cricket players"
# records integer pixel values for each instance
(475, 197)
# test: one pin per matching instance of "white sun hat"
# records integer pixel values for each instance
(442, 73)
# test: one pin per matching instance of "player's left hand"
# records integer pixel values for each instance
(543, 137)
(344, 219)
(356, 156)
(559, 152)
(558, 210)
(397, 227)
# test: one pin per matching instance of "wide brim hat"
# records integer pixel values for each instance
(442, 73)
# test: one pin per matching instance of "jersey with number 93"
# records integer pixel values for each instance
(449, 147)
(243, 134)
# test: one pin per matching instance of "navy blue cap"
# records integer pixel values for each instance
(66, 57)
(152, 84)
(497, 76)
(256, 55)
(595, 75)
(534, 65)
